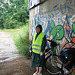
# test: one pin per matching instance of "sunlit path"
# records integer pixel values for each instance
(8, 50)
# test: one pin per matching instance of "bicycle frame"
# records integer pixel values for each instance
(60, 64)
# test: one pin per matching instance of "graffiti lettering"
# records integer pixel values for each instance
(57, 31)
(60, 27)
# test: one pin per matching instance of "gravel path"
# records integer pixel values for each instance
(10, 62)
(8, 50)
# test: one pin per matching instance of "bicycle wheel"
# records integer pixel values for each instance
(71, 71)
(51, 65)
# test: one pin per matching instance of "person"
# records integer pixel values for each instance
(38, 54)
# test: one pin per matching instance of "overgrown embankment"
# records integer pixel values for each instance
(21, 38)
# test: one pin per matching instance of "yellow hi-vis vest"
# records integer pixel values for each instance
(36, 44)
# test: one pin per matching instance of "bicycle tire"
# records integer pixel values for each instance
(70, 71)
(51, 66)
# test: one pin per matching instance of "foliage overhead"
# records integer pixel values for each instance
(13, 13)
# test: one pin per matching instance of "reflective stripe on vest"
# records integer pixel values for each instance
(36, 44)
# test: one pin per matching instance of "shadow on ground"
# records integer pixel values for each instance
(18, 66)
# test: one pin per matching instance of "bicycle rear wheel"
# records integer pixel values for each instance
(51, 65)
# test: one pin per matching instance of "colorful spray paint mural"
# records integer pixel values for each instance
(62, 28)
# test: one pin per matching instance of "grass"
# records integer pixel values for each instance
(21, 38)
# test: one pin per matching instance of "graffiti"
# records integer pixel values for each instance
(73, 27)
(72, 20)
(35, 21)
(63, 9)
(67, 30)
(43, 19)
(73, 39)
(68, 45)
(56, 31)
(69, 2)
(62, 28)
(70, 36)
(58, 20)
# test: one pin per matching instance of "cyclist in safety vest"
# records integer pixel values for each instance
(38, 46)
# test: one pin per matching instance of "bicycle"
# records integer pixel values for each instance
(54, 63)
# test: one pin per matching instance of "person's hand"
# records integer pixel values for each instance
(41, 53)
(30, 50)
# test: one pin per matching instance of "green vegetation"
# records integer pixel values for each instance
(14, 19)
(21, 38)
(13, 13)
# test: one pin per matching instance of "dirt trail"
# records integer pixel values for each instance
(12, 63)
(7, 46)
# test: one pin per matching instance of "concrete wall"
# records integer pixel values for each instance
(57, 18)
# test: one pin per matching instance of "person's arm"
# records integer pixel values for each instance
(44, 43)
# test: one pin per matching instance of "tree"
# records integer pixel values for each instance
(13, 13)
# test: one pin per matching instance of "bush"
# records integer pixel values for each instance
(21, 39)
